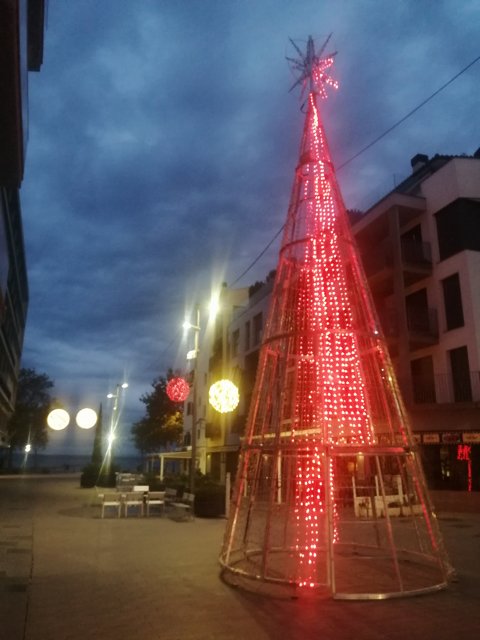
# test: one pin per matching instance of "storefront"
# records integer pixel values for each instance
(451, 459)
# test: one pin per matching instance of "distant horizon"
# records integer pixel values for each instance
(69, 462)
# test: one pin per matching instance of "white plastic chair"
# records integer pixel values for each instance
(134, 499)
(155, 498)
(111, 499)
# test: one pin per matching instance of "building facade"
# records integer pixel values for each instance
(21, 51)
(420, 246)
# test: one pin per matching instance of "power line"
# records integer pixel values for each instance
(259, 255)
(368, 146)
(410, 113)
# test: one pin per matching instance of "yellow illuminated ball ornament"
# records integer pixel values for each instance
(58, 419)
(223, 396)
(86, 418)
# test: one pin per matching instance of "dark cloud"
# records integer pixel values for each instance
(163, 142)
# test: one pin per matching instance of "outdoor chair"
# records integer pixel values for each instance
(135, 499)
(155, 498)
(183, 508)
(170, 496)
(111, 499)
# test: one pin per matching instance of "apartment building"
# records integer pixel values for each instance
(420, 246)
(21, 51)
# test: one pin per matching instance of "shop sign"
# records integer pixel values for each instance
(431, 438)
(452, 437)
(471, 437)
(417, 438)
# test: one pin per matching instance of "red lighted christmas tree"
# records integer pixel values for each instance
(327, 440)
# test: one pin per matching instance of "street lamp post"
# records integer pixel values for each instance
(190, 356)
(114, 417)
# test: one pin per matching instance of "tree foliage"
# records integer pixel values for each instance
(97, 453)
(28, 423)
(162, 425)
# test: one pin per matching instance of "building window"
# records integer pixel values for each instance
(458, 227)
(423, 380)
(452, 297)
(257, 329)
(460, 369)
(189, 408)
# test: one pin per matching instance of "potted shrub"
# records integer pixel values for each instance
(209, 501)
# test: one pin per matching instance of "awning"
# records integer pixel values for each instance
(175, 455)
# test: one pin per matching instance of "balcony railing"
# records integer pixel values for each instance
(422, 326)
(379, 259)
(417, 252)
(443, 388)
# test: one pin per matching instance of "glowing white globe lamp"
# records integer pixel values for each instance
(86, 418)
(58, 419)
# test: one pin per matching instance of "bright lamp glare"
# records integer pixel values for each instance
(125, 385)
(86, 418)
(58, 419)
(214, 306)
(111, 438)
(28, 448)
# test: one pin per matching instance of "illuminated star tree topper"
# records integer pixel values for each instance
(311, 69)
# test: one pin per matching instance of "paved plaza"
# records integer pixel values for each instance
(66, 574)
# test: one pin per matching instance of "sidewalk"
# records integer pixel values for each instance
(66, 574)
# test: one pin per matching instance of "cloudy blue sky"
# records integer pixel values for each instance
(162, 144)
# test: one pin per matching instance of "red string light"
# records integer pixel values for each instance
(331, 396)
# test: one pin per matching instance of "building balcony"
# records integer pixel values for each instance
(422, 328)
(378, 266)
(442, 388)
(416, 261)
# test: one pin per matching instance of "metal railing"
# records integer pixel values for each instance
(442, 388)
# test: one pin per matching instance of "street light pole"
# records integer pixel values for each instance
(114, 419)
(193, 438)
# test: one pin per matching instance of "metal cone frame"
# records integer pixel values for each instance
(330, 497)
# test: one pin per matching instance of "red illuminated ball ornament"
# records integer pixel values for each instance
(178, 389)
(223, 396)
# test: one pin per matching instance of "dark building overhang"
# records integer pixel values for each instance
(21, 48)
(36, 22)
